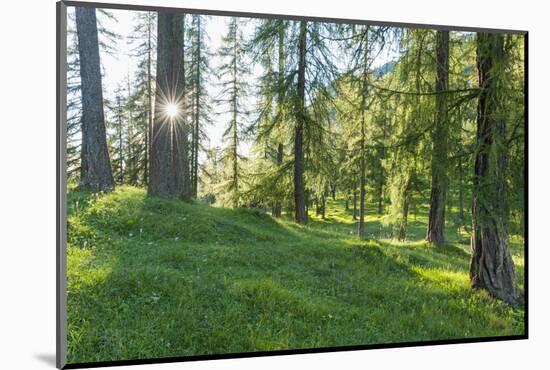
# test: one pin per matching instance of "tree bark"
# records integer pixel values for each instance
(460, 195)
(362, 164)
(169, 150)
(235, 139)
(120, 142)
(355, 199)
(380, 197)
(96, 172)
(299, 187)
(402, 227)
(149, 132)
(197, 112)
(276, 210)
(491, 266)
(436, 220)
(131, 162)
(323, 205)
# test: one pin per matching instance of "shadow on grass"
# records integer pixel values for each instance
(171, 278)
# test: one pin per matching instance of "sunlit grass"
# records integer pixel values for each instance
(152, 277)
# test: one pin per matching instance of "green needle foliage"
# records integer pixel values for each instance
(367, 178)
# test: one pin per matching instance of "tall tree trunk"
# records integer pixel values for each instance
(96, 172)
(276, 211)
(380, 197)
(299, 187)
(148, 134)
(362, 168)
(323, 205)
(436, 221)
(131, 162)
(362, 164)
(120, 143)
(355, 199)
(169, 150)
(402, 232)
(197, 112)
(317, 206)
(491, 266)
(460, 195)
(307, 205)
(381, 174)
(235, 133)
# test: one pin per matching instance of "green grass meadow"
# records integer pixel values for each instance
(152, 277)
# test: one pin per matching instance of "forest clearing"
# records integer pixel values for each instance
(245, 184)
(243, 281)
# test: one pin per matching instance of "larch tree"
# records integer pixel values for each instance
(359, 116)
(281, 70)
(96, 173)
(234, 88)
(300, 112)
(492, 267)
(117, 124)
(414, 108)
(271, 127)
(297, 98)
(199, 72)
(363, 67)
(440, 132)
(74, 101)
(143, 45)
(169, 165)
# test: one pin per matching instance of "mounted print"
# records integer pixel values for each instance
(236, 185)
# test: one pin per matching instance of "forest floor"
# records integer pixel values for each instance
(151, 277)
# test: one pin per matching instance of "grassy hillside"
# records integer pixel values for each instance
(156, 277)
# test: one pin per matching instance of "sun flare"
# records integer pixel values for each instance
(172, 110)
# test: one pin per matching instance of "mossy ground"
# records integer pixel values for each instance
(151, 277)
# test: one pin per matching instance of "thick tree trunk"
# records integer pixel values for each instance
(491, 266)
(436, 220)
(96, 172)
(169, 144)
(299, 187)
